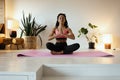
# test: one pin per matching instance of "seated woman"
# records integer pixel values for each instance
(61, 32)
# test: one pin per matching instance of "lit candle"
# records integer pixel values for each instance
(12, 27)
(107, 46)
(107, 39)
(13, 34)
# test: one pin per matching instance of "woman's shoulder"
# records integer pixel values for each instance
(54, 28)
(68, 28)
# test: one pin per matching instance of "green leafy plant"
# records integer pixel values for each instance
(30, 27)
(91, 37)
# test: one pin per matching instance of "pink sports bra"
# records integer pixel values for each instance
(64, 32)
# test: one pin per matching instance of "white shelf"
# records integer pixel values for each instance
(83, 78)
(13, 77)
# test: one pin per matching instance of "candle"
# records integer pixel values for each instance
(107, 39)
(107, 46)
(13, 34)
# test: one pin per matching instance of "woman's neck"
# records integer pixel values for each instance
(61, 25)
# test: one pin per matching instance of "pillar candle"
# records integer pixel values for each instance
(107, 46)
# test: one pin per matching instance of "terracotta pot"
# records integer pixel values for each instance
(30, 42)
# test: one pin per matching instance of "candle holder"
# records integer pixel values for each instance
(13, 34)
(107, 46)
(107, 39)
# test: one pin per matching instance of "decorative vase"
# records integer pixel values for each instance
(30, 42)
(91, 45)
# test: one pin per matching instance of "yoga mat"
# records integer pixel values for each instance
(37, 53)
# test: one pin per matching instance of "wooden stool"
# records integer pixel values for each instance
(2, 45)
(18, 41)
(14, 41)
(7, 41)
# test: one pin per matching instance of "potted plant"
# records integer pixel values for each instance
(90, 35)
(31, 30)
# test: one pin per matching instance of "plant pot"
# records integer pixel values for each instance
(91, 45)
(30, 42)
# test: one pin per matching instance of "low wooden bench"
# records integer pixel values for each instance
(14, 41)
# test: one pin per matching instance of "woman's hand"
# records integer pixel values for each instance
(60, 36)
(70, 34)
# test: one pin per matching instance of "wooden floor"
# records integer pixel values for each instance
(77, 68)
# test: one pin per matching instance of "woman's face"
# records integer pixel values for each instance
(61, 19)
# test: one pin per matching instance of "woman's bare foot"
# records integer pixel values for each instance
(56, 53)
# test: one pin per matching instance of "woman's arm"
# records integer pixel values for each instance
(52, 35)
(70, 34)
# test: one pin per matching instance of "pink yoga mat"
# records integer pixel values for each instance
(38, 53)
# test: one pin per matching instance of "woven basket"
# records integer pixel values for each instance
(30, 42)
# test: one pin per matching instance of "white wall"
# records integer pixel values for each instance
(103, 13)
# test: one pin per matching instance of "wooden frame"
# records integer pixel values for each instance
(2, 16)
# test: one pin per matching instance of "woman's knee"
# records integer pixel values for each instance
(49, 45)
(76, 45)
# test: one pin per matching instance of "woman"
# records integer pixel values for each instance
(61, 32)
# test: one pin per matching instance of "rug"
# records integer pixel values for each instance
(38, 53)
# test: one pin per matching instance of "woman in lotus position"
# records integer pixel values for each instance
(61, 32)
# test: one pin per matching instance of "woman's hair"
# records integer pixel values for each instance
(65, 24)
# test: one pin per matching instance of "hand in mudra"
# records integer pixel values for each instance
(60, 36)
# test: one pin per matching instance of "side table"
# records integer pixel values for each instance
(18, 41)
(7, 41)
(14, 41)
